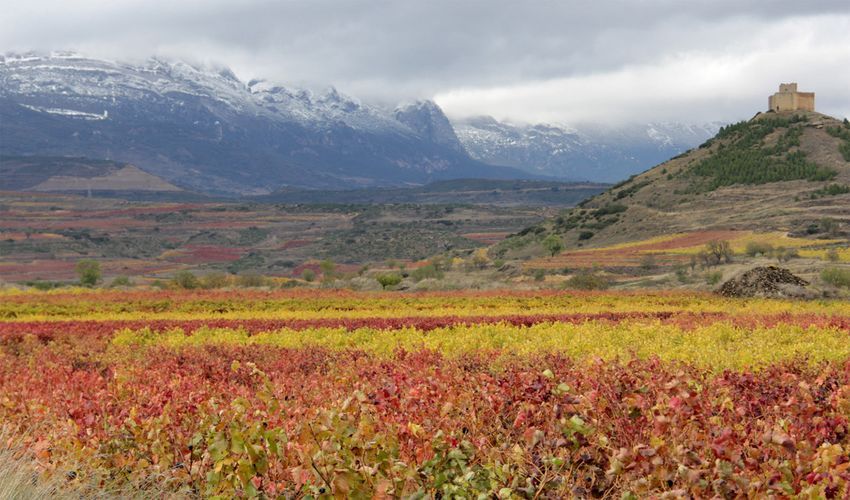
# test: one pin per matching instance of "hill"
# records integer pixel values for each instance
(205, 130)
(61, 174)
(787, 172)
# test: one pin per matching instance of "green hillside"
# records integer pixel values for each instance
(775, 172)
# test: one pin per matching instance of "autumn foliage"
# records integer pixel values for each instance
(314, 400)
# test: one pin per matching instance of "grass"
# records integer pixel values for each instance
(22, 478)
(836, 276)
(839, 254)
(747, 239)
(19, 480)
(678, 247)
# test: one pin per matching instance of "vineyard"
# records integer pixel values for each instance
(678, 248)
(323, 394)
(42, 237)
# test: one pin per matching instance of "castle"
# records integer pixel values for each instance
(788, 99)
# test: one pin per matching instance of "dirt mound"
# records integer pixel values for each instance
(767, 281)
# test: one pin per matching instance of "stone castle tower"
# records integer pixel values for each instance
(788, 99)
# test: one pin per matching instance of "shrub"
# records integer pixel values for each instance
(539, 274)
(713, 278)
(251, 280)
(783, 254)
(601, 224)
(585, 235)
(44, 285)
(185, 280)
(121, 281)
(631, 190)
(443, 263)
(832, 255)
(290, 283)
(388, 280)
(215, 280)
(758, 248)
(614, 208)
(825, 225)
(705, 259)
(831, 190)
(480, 259)
(308, 275)
(328, 269)
(836, 276)
(88, 271)
(588, 280)
(253, 260)
(828, 226)
(648, 261)
(428, 271)
(553, 244)
(844, 149)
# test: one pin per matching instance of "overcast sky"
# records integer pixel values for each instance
(552, 61)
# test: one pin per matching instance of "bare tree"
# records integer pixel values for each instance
(720, 250)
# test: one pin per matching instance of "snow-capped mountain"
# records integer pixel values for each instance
(204, 129)
(428, 120)
(586, 152)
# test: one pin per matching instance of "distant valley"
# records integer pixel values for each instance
(460, 191)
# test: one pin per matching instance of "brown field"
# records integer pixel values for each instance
(42, 236)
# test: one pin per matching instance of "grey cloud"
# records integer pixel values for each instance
(389, 50)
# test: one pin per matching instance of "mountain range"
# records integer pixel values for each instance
(593, 152)
(205, 130)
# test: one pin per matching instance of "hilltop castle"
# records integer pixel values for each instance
(788, 99)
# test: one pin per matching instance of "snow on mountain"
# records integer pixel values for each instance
(584, 152)
(96, 84)
(428, 120)
(203, 128)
